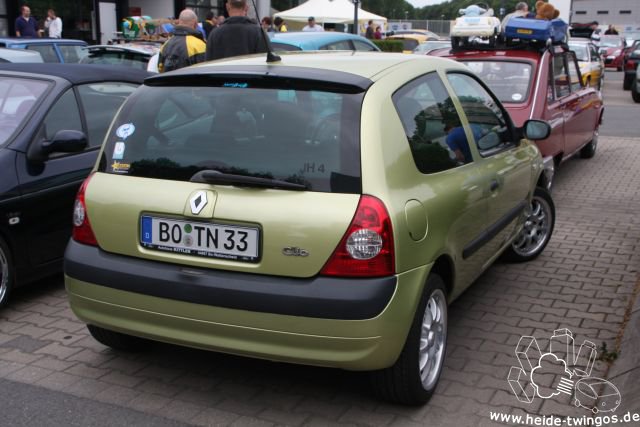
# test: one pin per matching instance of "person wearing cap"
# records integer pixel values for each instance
(311, 26)
(237, 35)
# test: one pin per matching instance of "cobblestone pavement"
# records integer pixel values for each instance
(583, 281)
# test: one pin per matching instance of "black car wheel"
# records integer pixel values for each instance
(7, 277)
(634, 91)
(589, 150)
(414, 377)
(628, 81)
(537, 229)
(116, 340)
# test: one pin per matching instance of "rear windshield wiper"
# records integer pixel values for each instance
(216, 177)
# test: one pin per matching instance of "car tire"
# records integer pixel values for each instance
(619, 68)
(7, 275)
(116, 340)
(628, 81)
(589, 150)
(413, 378)
(634, 92)
(537, 230)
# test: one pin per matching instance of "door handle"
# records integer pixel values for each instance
(494, 185)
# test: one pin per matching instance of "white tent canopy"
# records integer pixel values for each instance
(328, 12)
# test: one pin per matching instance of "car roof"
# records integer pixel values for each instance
(146, 49)
(14, 40)
(494, 54)
(313, 40)
(20, 55)
(360, 64)
(81, 73)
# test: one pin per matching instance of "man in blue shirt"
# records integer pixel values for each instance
(26, 25)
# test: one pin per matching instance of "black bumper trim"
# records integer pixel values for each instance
(317, 297)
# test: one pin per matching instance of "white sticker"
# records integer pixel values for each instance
(118, 151)
(125, 130)
(516, 97)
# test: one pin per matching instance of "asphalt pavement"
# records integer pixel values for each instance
(620, 110)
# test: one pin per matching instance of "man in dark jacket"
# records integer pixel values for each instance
(237, 35)
(186, 46)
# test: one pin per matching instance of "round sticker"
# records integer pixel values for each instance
(516, 97)
(125, 130)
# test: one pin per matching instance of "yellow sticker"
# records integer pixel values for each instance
(523, 31)
(120, 167)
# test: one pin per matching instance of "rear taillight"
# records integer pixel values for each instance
(366, 250)
(82, 232)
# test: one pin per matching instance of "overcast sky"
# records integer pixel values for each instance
(421, 3)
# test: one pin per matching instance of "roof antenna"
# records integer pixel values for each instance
(271, 57)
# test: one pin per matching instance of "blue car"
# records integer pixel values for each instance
(51, 50)
(328, 40)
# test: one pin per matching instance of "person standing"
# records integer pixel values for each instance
(370, 33)
(53, 25)
(237, 35)
(26, 25)
(186, 46)
(522, 10)
(267, 25)
(611, 31)
(280, 25)
(311, 25)
(209, 23)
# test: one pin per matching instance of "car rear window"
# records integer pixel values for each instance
(18, 98)
(301, 136)
(508, 80)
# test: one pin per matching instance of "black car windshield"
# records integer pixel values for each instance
(508, 80)
(18, 98)
(300, 136)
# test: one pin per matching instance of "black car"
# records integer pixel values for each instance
(53, 118)
(631, 61)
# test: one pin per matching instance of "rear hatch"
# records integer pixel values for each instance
(236, 173)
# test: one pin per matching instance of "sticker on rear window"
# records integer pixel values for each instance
(238, 85)
(120, 167)
(118, 151)
(515, 97)
(125, 130)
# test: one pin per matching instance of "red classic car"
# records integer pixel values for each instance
(541, 83)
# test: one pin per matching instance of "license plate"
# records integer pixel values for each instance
(472, 21)
(524, 31)
(200, 239)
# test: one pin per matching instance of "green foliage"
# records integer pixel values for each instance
(389, 45)
(605, 354)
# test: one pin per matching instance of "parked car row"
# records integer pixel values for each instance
(381, 187)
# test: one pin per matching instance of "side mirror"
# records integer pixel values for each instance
(64, 141)
(536, 130)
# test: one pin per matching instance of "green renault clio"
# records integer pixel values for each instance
(323, 209)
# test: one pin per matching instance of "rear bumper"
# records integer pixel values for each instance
(347, 323)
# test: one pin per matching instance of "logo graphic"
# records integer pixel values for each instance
(561, 371)
(118, 151)
(198, 202)
(126, 130)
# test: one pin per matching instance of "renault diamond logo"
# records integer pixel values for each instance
(198, 202)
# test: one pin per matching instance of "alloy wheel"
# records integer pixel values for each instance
(536, 230)
(433, 337)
